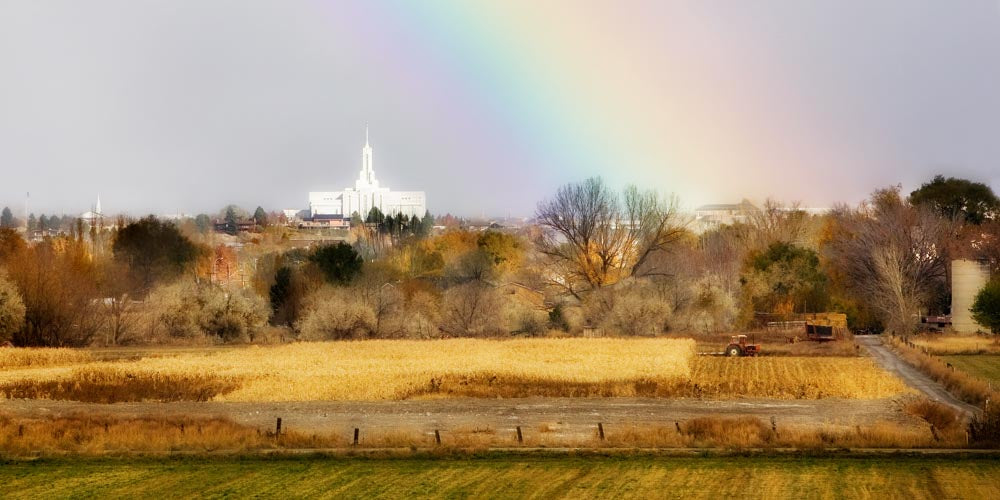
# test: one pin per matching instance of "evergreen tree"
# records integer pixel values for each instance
(356, 219)
(986, 308)
(973, 202)
(7, 218)
(389, 226)
(232, 219)
(153, 250)
(427, 224)
(281, 288)
(339, 263)
(415, 226)
(260, 216)
(203, 222)
(43, 223)
(375, 216)
(404, 224)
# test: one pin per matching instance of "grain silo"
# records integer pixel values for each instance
(967, 278)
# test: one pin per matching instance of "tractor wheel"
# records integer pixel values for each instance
(733, 350)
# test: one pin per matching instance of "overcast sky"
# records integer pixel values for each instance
(185, 106)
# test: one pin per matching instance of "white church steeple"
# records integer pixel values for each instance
(366, 179)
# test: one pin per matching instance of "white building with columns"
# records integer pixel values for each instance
(365, 195)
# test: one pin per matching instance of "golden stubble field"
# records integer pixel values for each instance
(940, 344)
(402, 369)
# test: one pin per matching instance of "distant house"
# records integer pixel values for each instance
(242, 226)
(325, 220)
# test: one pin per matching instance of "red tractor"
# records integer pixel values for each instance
(738, 346)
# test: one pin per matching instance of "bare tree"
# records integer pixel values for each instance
(596, 238)
(121, 318)
(892, 255)
(774, 222)
(376, 288)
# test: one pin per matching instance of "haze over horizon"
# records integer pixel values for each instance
(167, 107)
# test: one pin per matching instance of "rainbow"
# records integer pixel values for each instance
(661, 99)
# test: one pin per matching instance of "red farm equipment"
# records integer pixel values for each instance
(738, 346)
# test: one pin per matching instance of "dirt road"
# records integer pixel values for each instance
(911, 376)
(566, 416)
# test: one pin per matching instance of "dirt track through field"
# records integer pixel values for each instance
(911, 376)
(562, 416)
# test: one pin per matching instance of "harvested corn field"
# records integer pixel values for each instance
(793, 378)
(393, 370)
(37, 357)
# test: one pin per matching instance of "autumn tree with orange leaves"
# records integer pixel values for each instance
(595, 237)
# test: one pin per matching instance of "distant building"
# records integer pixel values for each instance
(294, 214)
(242, 226)
(708, 217)
(95, 217)
(329, 206)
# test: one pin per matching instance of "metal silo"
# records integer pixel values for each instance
(967, 278)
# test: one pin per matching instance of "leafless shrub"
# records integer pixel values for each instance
(472, 309)
(190, 310)
(11, 309)
(710, 308)
(334, 313)
(526, 320)
(421, 316)
(632, 308)
(940, 416)
(984, 429)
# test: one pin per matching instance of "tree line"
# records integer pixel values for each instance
(627, 262)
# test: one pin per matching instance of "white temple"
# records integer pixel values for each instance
(365, 195)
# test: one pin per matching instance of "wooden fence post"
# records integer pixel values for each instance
(277, 428)
(355, 436)
(437, 437)
(520, 438)
(600, 430)
(678, 425)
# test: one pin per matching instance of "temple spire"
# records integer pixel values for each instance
(367, 176)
